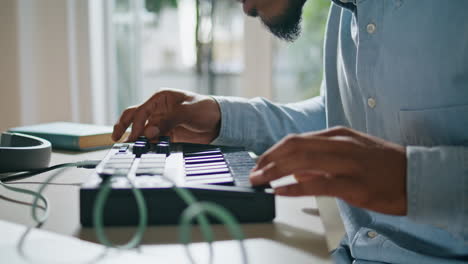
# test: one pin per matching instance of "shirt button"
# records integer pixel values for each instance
(372, 234)
(371, 28)
(371, 102)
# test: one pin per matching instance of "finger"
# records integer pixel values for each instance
(161, 125)
(140, 116)
(183, 134)
(319, 186)
(168, 111)
(326, 163)
(124, 122)
(160, 104)
(296, 145)
(151, 132)
(308, 175)
(171, 96)
(340, 132)
(285, 147)
(335, 131)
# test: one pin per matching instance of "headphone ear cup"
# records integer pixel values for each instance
(20, 152)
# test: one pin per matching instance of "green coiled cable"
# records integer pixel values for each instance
(195, 210)
(98, 219)
(37, 196)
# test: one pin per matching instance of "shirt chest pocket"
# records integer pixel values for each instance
(435, 126)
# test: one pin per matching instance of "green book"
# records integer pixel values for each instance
(70, 136)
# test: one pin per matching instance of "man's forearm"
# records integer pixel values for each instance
(258, 123)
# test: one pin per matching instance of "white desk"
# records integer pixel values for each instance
(297, 224)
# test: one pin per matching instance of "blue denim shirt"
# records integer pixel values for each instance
(396, 69)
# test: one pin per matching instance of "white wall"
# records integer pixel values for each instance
(45, 68)
(258, 48)
(9, 87)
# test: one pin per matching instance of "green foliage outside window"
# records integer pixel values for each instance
(156, 6)
(306, 53)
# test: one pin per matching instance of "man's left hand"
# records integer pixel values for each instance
(363, 170)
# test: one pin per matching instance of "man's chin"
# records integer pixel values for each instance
(287, 32)
(249, 9)
(287, 26)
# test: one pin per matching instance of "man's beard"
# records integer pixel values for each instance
(287, 26)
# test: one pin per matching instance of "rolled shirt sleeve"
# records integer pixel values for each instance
(257, 123)
(437, 186)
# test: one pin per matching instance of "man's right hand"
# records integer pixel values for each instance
(185, 116)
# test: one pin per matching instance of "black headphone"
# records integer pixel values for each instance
(20, 152)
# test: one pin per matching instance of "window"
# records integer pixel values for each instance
(297, 67)
(210, 47)
(173, 55)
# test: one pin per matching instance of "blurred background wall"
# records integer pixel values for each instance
(9, 86)
(87, 60)
(43, 76)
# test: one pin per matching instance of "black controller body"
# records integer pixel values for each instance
(217, 174)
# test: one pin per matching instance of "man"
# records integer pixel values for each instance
(395, 97)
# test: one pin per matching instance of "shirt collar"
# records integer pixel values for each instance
(348, 4)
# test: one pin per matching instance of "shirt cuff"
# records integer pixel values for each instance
(437, 186)
(234, 115)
